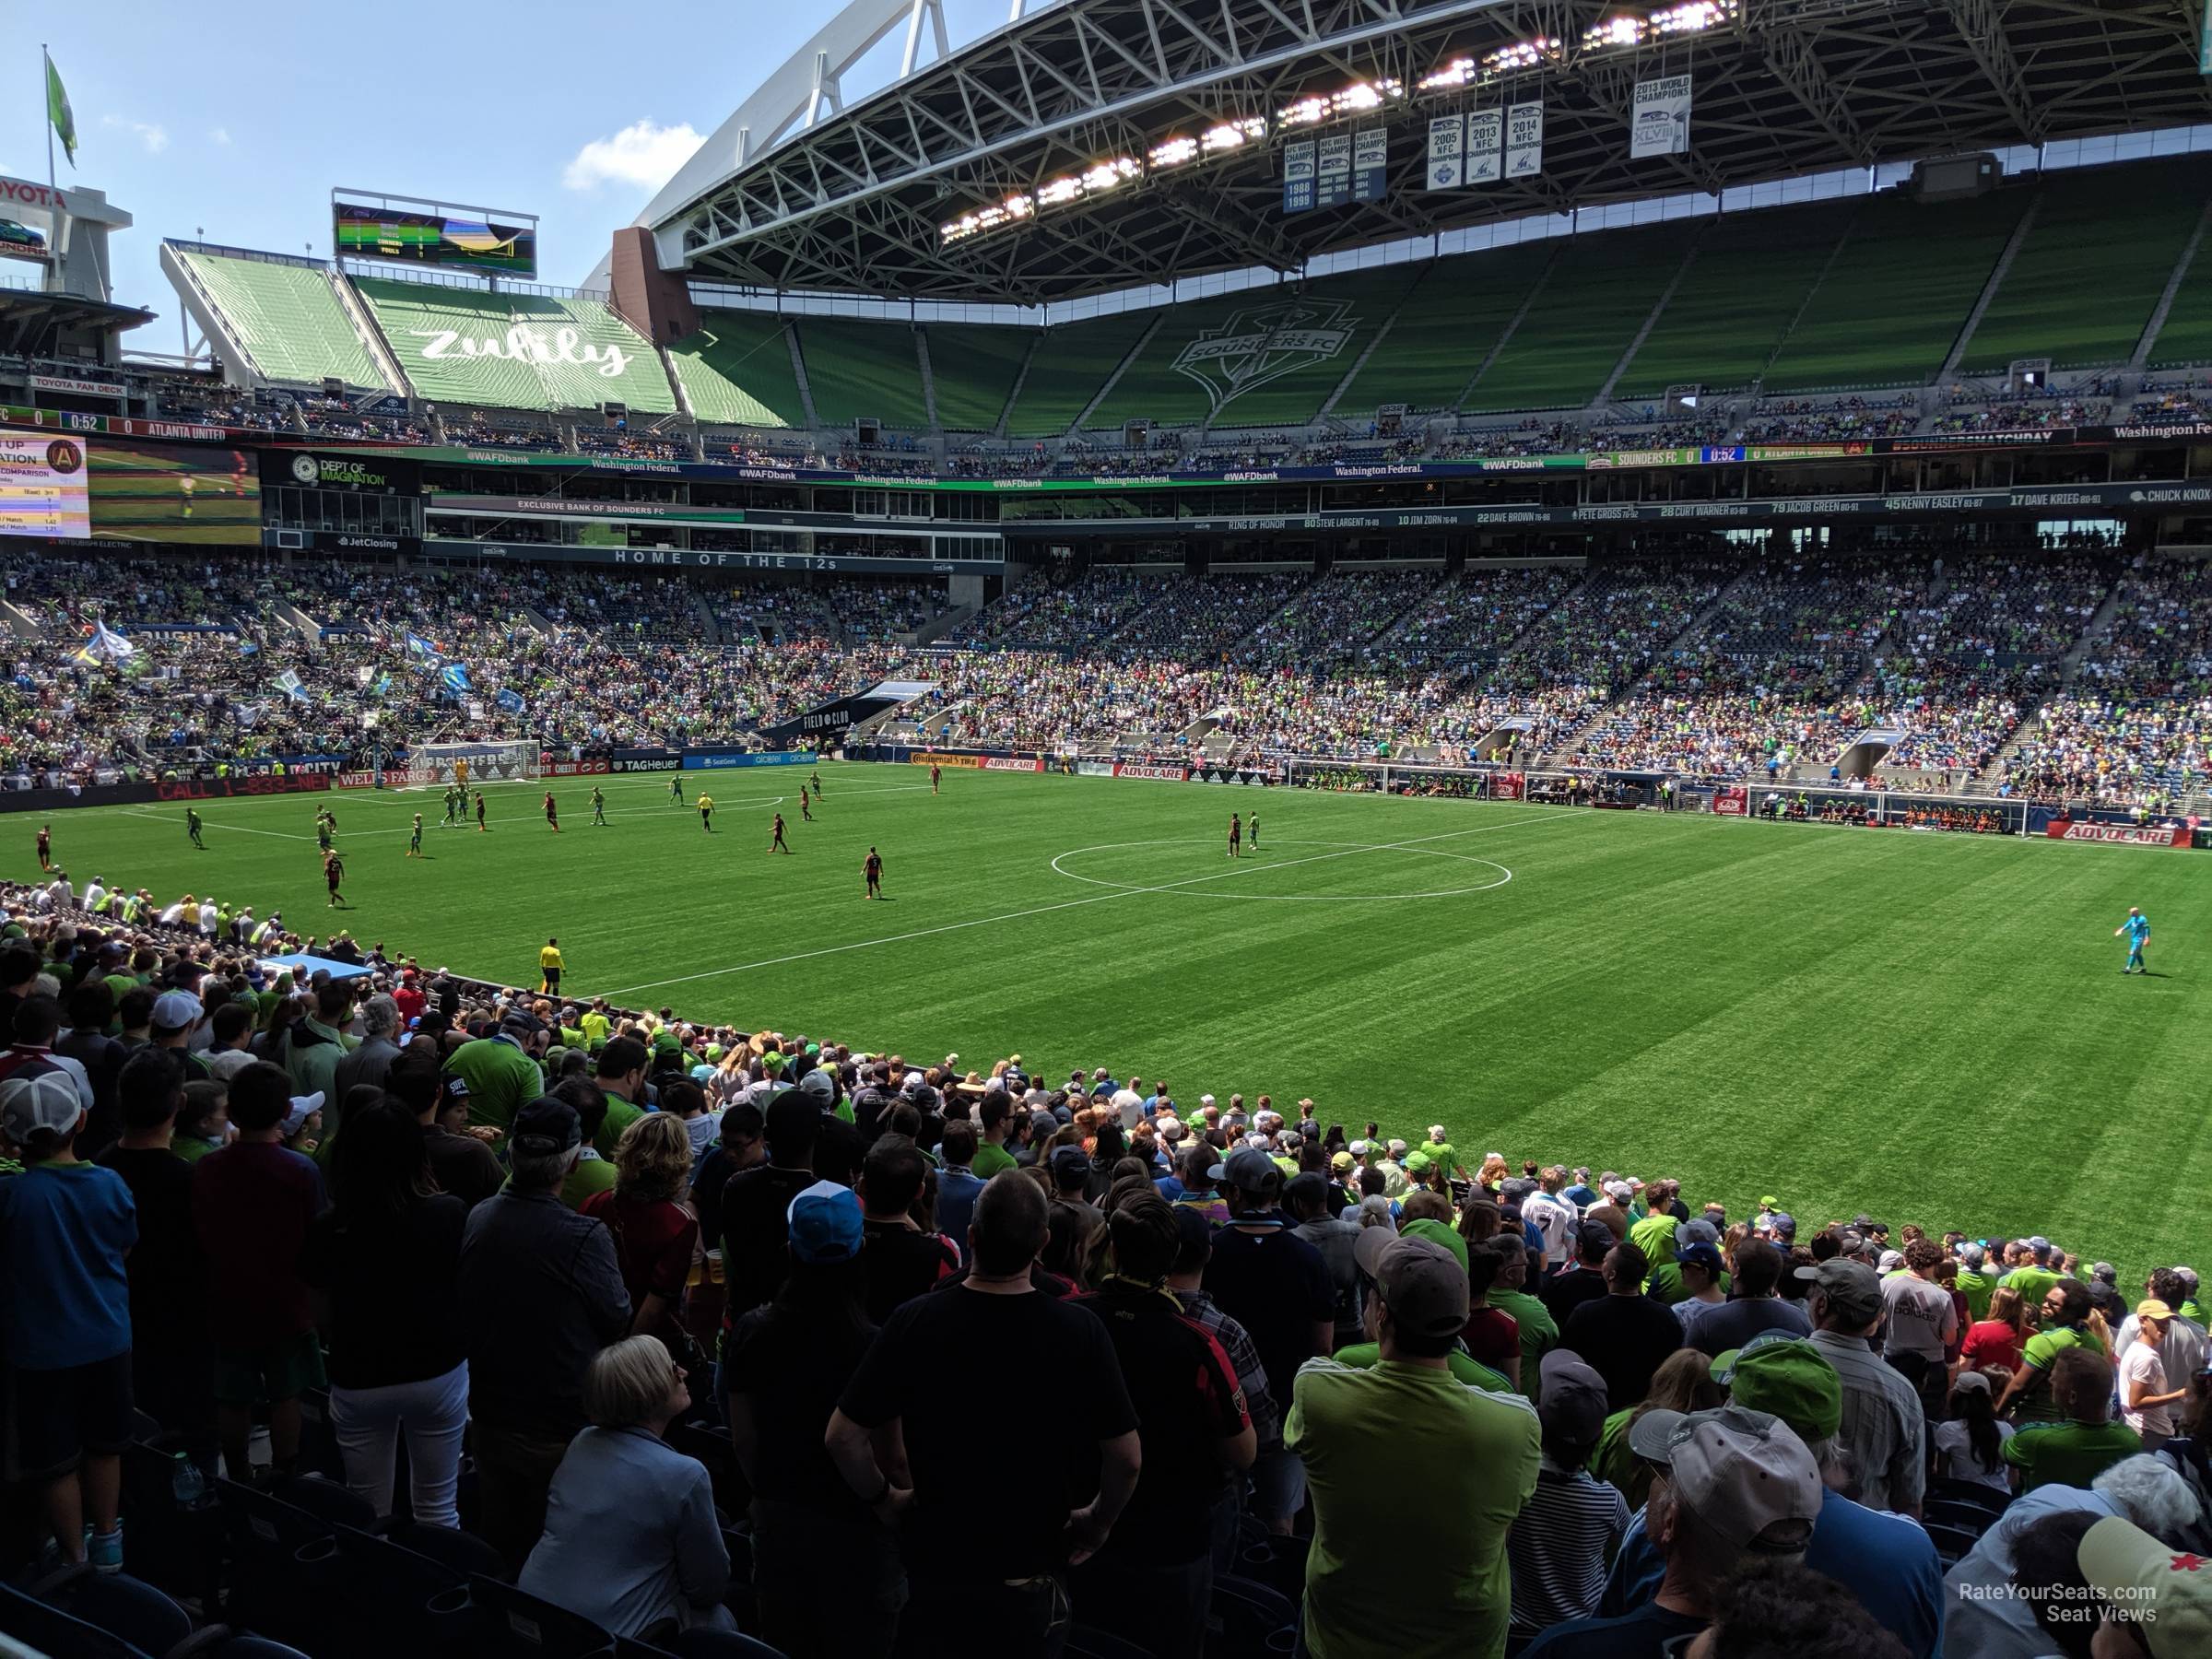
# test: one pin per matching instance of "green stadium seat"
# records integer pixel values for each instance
(973, 367)
(863, 371)
(1588, 311)
(1071, 363)
(573, 353)
(1892, 305)
(738, 368)
(286, 317)
(2091, 268)
(1749, 278)
(1445, 328)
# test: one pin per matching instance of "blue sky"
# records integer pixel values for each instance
(239, 118)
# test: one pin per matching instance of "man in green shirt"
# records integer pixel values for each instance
(501, 1071)
(2066, 1312)
(1447, 1537)
(595, 1024)
(317, 1043)
(621, 1078)
(1973, 1283)
(1539, 1331)
(2074, 1450)
(2033, 1277)
(1665, 1285)
(991, 1156)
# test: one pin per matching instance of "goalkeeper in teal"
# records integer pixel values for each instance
(2138, 929)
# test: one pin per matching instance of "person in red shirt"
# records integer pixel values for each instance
(252, 1205)
(1995, 1343)
(408, 994)
(655, 1230)
(1492, 1334)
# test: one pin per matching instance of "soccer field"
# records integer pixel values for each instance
(1931, 1027)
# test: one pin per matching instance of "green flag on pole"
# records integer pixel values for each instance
(57, 112)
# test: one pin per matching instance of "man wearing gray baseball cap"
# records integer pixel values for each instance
(1443, 1538)
(1732, 1487)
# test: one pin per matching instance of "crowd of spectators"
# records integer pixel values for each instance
(628, 1285)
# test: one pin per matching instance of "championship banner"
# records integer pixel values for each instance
(43, 487)
(1136, 769)
(1486, 147)
(1660, 124)
(1298, 176)
(1035, 763)
(1447, 146)
(1370, 163)
(1525, 141)
(2120, 835)
(1334, 188)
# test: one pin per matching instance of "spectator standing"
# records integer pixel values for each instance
(91, 1010)
(173, 1362)
(1755, 1308)
(825, 1572)
(1276, 1285)
(655, 1232)
(1882, 1424)
(1537, 1332)
(541, 1293)
(1995, 1343)
(1571, 1526)
(65, 1228)
(1153, 1580)
(501, 1071)
(2146, 1400)
(462, 1164)
(372, 1061)
(957, 1184)
(756, 1202)
(1624, 1336)
(620, 1075)
(1448, 1536)
(631, 1540)
(1738, 1485)
(2064, 1325)
(1921, 1322)
(1306, 1200)
(1584, 1278)
(252, 1203)
(1970, 1441)
(386, 1252)
(1195, 1248)
(987, 1338)
(2075, 1450)
(901, 1262)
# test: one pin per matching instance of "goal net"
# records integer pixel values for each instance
(488, 763)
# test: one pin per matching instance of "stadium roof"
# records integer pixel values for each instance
(859, 202)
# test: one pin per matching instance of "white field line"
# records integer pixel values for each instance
(1043, 910)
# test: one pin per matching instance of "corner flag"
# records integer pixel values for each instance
(57, 112)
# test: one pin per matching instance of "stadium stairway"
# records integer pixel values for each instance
(1930, 403)
(929, 378)
(1651, 319)
(1021, 378)
(373, 337)
(1106, 387)
(2069, 668)
(1613, 706)
(1506, 333)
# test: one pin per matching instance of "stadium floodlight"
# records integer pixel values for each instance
(1174, 153)
(1615, 32)
(1694, 15)
(1233, 134)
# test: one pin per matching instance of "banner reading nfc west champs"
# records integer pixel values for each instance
(43, 487)
(1298, 176)
(1370, 163)
(1447, 143)
(1525, 141)
(1335, 188)
(1660, 125)
(1486, 147)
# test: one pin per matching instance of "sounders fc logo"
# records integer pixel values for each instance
(1265, 343)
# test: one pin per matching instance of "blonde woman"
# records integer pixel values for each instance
(655, 1228)
(631, 1540)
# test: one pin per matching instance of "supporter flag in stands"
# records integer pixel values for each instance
(106, 646)
(58, 112)
(419, 646)
(248, 648)
(382, 684)
(455, 676)
(288, 683)
(511, 701)
(248, 715)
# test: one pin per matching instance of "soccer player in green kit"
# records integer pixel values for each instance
(598, 805)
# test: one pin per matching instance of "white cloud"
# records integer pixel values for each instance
(155, 138)
(642, 153)
(220, 135)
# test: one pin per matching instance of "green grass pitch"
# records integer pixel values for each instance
(1931, 1027)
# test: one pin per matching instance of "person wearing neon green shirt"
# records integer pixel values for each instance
(2064, 1322)
(1973, 1283)
(595, 1026)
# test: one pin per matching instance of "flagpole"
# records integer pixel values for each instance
(46, 97)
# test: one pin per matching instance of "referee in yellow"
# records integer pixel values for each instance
(550, 966)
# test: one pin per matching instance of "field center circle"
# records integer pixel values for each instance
(1211, 887)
